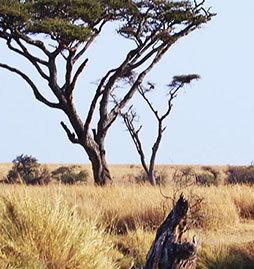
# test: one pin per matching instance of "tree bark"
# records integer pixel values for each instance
(167, 250)
(151, 177)
(101, 172)
(93, 147)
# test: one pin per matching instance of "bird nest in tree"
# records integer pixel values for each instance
(185, 78)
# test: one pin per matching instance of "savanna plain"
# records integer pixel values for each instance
(84, 226)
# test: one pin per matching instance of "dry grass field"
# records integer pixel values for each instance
(121, 173)
(84, 226)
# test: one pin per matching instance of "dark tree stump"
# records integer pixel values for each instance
(167, 250)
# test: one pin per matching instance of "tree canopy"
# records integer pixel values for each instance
(74, 21)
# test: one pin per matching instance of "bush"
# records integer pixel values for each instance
(240, 174)
(70, 174)
(27, 170)
(209, 177)
(161, 177)
(184, 178)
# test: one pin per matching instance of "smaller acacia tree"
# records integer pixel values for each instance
(27, 170)
(130, 116)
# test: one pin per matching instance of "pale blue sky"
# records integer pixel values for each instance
(211, 121)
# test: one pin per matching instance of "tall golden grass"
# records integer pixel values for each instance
(36, 232)
(84, 226)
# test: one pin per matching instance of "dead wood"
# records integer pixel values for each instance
(168, 251)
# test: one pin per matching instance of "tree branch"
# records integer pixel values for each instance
(142, 93)
(94, 102)
(75, 78)
(69, 66)
(32, 85)
(105, 119)
(116, 110)
(70, 135)
(146, 57)
(128, 118)
(30, 57)
(37, 43)
(89, 42)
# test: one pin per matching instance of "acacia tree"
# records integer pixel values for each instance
(130, 116)
(71, 27)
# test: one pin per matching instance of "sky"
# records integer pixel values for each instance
(211, 122)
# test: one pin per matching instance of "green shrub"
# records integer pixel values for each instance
(70, 174)
(209, 177)
(240, 174)
(27, 170)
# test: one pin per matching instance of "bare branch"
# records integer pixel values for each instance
(116, 110)
(143, 94)
(94, 101)
(107, 119)
(75, 78)
(146, 57)
(128, 120)
(37, 43)
(30, 57)
(69, 66)
(89, 42)
(25, 51)
(70, 135)
(32, 85)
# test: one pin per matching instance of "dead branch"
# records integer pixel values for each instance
(70, 135)
(168, 251)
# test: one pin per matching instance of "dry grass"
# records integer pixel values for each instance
(36, 233)
(130, 213)
(243, 197)
(121, 173)
(4, 168)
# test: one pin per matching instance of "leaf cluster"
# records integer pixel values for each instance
(159, 18)
(76, 20)
(65, 21)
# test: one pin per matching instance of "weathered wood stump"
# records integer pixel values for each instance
(168, 251)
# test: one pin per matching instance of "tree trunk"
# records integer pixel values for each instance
(167, 250)
(93, 147)
(100, 169)
(151, 177)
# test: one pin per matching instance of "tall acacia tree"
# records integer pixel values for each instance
(72, 26)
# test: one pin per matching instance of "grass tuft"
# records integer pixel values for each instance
(222, 257)
(35, 233)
